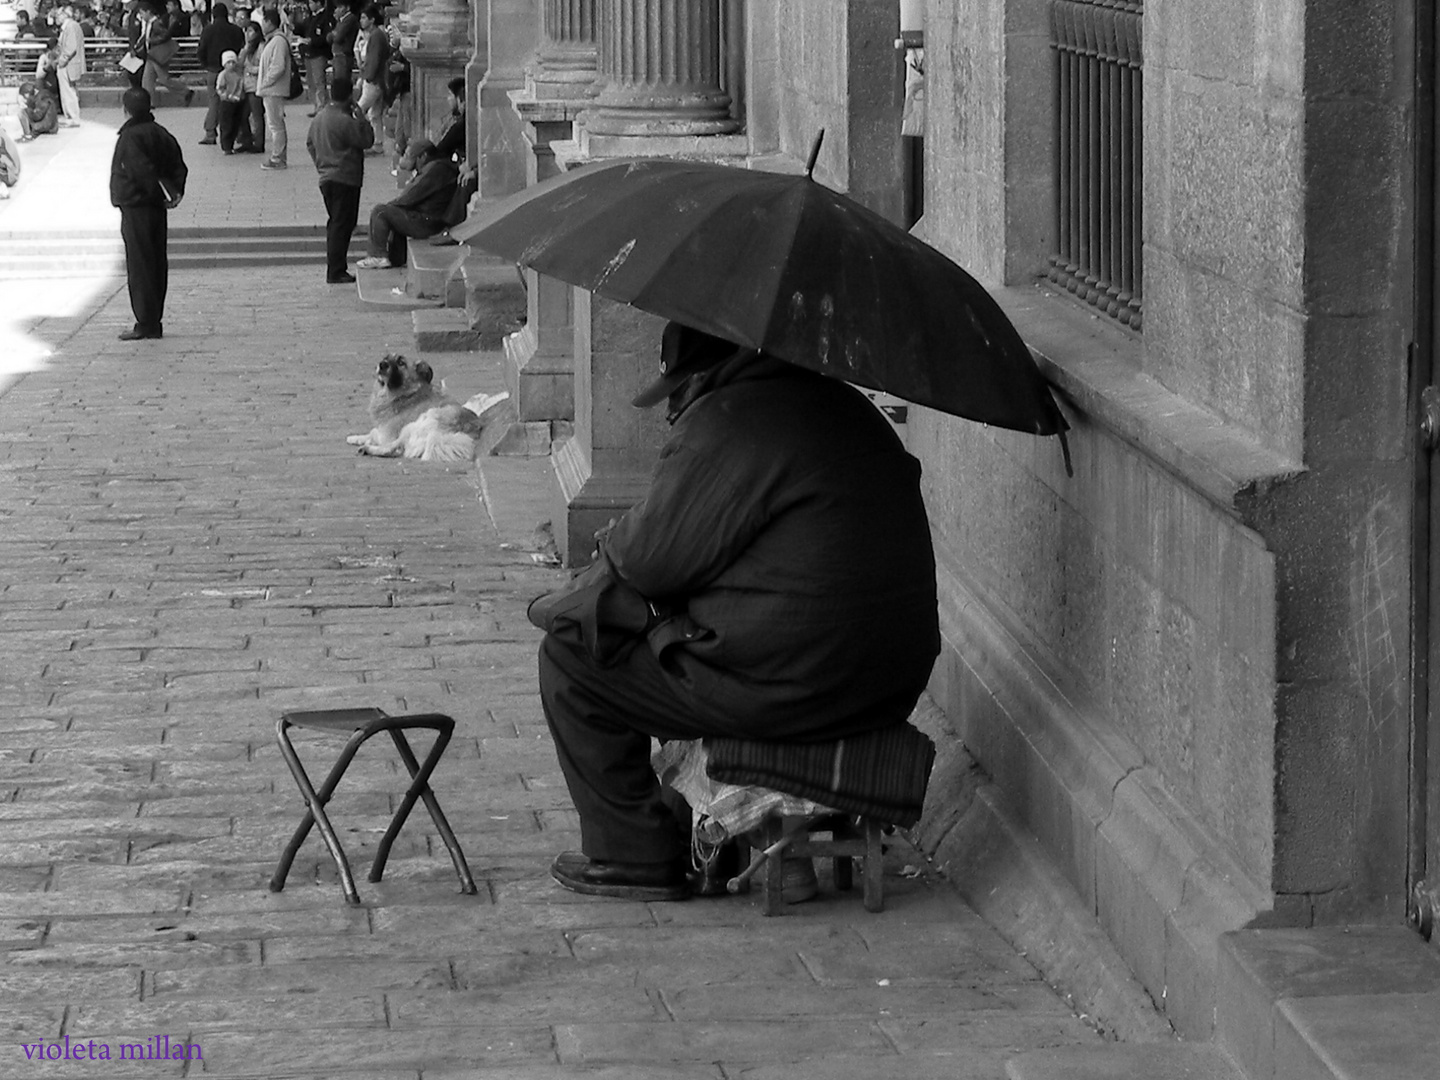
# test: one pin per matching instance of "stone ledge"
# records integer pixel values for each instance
(1331, 1002)
(1095, 367)
(1161, 886)
(1013, 884)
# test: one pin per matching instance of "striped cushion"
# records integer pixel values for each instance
(881, 774)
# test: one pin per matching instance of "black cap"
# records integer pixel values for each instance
(684, 351)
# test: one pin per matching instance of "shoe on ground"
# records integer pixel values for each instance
(227, 152)
(273, 165)
(209, 140)
(374, 262)
(798, 882)
(136, 334)
(623, 881)
(340, 279)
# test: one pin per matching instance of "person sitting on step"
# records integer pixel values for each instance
(418, 211)
(39, 115)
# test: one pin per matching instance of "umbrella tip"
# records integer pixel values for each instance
(814, 154)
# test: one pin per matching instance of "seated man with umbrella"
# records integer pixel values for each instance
(784, 553)
(777, 581)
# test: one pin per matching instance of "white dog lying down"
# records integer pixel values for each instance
(413, 419)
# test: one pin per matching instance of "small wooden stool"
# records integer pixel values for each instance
(357, 725)
(849, 838)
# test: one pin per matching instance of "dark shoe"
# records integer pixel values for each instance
(624, 881)
(227, 151)
(209, 140)
(137, 334)
(340, 279)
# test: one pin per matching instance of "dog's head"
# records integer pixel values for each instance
(394, 373)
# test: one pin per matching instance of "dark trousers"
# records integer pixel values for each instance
(147, 265)
(212, 110)
(390, 225)
(252, 123)
(342, 208)
(228, 118)
(602, 720)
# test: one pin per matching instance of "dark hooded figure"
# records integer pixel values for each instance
(147, 180)
(783, 552)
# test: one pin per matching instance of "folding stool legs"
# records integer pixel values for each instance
(420, 788)
(315, 814)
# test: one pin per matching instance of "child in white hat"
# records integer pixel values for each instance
(230, 91)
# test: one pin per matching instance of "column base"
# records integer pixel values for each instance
(586, 503)
(541, 384)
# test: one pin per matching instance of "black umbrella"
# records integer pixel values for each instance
(780, 263)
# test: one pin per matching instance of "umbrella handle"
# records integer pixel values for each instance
(814, 154)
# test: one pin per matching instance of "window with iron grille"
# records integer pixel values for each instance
(1098, 160)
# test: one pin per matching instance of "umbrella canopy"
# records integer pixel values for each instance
(780, 263)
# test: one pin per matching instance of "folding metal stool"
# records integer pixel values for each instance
(357, 725)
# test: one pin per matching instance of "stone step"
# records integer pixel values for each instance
(30, 254)
(384, 290)
(440, 329)
(1124, 1061)
(1346, 1002)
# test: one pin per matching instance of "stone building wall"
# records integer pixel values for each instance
(1186, 665)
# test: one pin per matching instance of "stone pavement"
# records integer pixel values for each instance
(188, 548)
(64, 185)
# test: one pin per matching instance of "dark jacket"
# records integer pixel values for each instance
(159, 45)
(342, 36)
(43, 114)
(785, 516)
(311, 29)
(451, 142)
(337, 142)
(430, 192)
(377, 57)
(216, 39)
(145, 155)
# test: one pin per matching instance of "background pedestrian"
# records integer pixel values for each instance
(70, 64)
(147, 180)
(273, 86)
(219, 37)
(338, 138)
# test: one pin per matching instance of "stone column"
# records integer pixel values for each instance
(512, 33)
(440, 49)
(660, 70)
(567, 62)
(661, 93)
(540, 358)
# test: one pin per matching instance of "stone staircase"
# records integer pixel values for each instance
(37, 254)
(1337, 1003)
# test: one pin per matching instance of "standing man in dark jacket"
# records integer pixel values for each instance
(418, 211)
(342, 38)
(311, 29)
(338, 138)
(219, 37)
(784, 551)
(147, 179)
